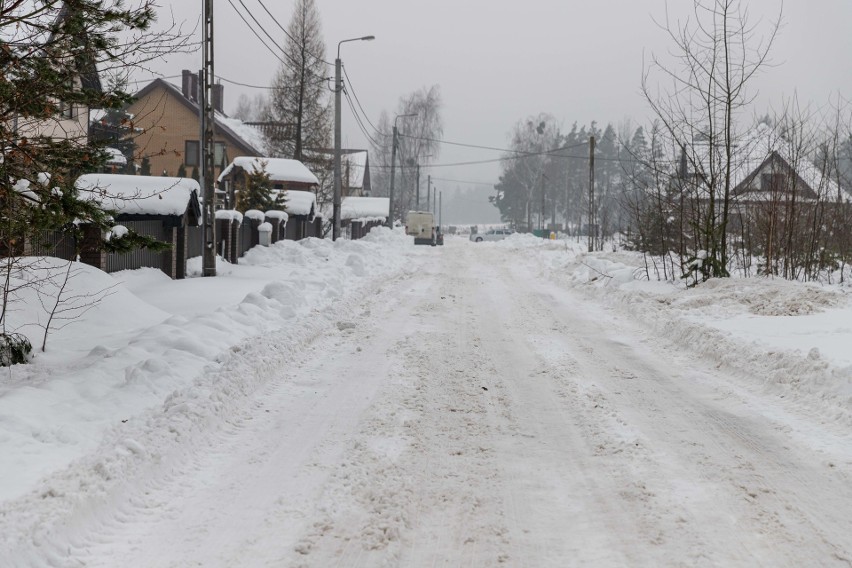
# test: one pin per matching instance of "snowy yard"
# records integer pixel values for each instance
(372, 403)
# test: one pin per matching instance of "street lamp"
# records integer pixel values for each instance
(393, 162)
(338, 88)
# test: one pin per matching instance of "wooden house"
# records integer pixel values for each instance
(167, 120)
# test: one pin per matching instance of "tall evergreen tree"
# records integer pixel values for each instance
(300, 94)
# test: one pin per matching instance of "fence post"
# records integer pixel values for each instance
(91, 251)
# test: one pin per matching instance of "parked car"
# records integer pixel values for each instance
(491, 235)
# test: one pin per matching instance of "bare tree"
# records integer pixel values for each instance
(419, 139)
(717, 54)
(250, 109)
(521, 191)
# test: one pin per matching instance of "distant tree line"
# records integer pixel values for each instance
(678, 188)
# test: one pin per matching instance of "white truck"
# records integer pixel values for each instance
(421, 226)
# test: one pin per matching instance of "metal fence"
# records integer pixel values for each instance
(54, 243)
(194, 236)
(140, 257)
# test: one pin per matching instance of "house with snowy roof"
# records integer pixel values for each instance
(167, 119)
(165, 208)
(30, 31)
(290, 176)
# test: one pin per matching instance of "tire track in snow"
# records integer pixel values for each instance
(734, 453)
(136, 508)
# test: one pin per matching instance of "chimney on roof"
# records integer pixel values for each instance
(219, 97)
(186, 84)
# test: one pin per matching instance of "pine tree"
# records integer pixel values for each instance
(53, 53)
(181, 173)
(145, 168)
(258, 193)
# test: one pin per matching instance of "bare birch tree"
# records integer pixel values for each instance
(718, 52)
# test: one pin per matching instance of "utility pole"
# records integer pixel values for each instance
(208, 147)
(541, 213)
(428, 190)
(417, 190)
(338, 88)
(393, 164)
(592, 228)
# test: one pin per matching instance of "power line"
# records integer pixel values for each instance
(288, 33)
(366, 116)
(480, 147)
(490, 184)
(358, 120)
(251, 28)
(271, 88)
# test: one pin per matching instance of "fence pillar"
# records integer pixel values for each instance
(91, 249)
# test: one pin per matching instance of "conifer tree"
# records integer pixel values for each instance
(258, 193)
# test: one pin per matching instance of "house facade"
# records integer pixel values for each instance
(31, 37)
(166, 118)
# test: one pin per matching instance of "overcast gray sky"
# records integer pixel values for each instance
(498, 61)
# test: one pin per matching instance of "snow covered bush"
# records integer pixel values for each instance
(14, 349)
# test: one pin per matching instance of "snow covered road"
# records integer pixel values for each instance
(475, 413)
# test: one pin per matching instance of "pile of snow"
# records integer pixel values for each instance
(148, 351)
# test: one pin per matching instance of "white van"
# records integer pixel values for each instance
(421, 226)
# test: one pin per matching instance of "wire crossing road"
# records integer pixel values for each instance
(477, 414)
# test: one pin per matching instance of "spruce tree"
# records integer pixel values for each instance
(258, 193)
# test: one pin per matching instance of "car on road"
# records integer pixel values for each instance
(491, 235)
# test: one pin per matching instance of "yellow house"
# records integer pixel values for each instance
(166, 118)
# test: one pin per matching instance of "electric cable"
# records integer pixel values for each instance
(262, 5)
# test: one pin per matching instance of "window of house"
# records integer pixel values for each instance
(221, 158)
(192, 156)
(66, 110)
(191, 153)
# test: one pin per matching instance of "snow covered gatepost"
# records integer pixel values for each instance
(164, 208)
(237, 233)
(278, 221)
(304, 221)
(358, 215)
(228, 228)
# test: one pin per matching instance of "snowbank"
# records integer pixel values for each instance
(151, 349)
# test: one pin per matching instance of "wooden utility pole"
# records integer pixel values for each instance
(417, 192)
(592, 229)
(208, 147)
(428, 191)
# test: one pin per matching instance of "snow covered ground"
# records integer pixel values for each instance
(373, 403)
